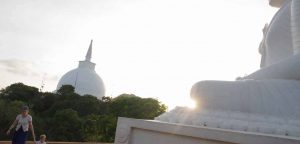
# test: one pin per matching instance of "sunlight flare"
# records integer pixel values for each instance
(191, 104)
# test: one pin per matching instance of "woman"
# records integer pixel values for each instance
(23, 122)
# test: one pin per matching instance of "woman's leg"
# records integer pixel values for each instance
(23, 137)
(20, 137)
(15, 137)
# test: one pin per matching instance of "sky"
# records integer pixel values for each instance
(150, 48)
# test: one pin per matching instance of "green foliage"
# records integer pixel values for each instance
(8, 113)
(66, 126)
(66, 90)
(19, 91)
(99, 128)
(129, 105)
(67, 116)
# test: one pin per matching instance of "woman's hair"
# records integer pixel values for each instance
(25, 108)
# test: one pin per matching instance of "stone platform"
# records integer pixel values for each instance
(136, 131)
(31, 142)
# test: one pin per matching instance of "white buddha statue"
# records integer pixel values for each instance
(266, 101)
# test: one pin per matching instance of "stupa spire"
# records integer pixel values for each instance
(88, 56)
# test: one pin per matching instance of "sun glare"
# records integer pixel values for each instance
(191, 104)
(183, 103)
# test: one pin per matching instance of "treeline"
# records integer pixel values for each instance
(67, 116)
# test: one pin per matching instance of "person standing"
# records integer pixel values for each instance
(24, 123)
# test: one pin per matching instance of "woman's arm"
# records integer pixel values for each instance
(32, 130)
(11, 127)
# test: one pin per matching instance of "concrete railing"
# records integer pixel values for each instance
(49, 142)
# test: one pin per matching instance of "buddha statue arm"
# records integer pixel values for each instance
(295, 25)
(287, 68)
(262, 46)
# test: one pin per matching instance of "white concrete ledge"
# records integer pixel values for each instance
(135, 131)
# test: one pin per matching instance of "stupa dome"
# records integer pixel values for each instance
(84, 78)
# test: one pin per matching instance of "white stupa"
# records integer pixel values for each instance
(84, 78)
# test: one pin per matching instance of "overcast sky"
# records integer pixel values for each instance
(151, 48)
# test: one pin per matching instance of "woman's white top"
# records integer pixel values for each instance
(23, 121)
(39, 142)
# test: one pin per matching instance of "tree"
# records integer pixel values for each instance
(8, 113)
(108, 124)
(65, 90)
(104, 106)
(66, 126)
(66, 116)
(129, 105)
(87, 105)
(84, 105)
(46, 101)
(90, 128)
(152, 108)
(19, 91)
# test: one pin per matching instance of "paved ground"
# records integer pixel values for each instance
(30, 142)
